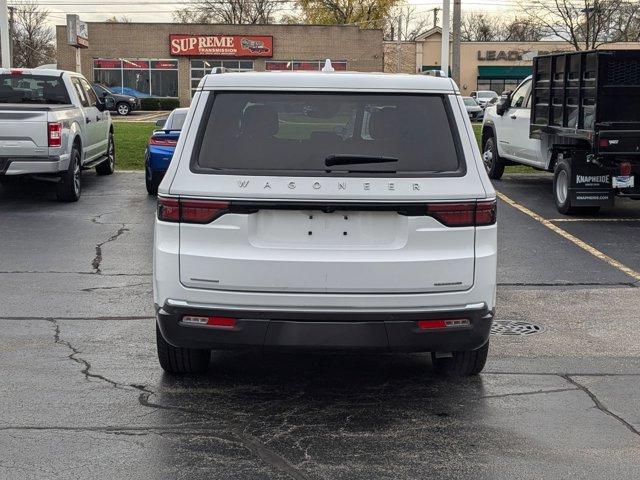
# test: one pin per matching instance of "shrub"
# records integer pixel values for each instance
(159, 103)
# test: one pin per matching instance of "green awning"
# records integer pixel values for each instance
(504, 72)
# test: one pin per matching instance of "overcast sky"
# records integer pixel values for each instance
(160, 10)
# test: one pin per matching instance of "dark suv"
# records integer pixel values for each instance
(123, 104)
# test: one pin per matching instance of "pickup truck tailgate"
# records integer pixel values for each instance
(23, 132)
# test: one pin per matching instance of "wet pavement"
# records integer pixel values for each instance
(82, 394)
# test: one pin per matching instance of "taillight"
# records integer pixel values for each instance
(163, 142)
(168, 209)
(54, 134)
(603, 142)
(625, 169)
(190, 211)
(464, 214)
(201, 211)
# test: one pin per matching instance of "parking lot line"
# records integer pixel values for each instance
(573, 239)
(555, 220)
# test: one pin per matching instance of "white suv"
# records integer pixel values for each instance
(325, 211)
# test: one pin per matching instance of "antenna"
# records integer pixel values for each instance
(327, 66)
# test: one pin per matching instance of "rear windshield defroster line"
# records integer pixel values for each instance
(293, 134)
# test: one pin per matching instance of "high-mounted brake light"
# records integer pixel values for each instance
(190, 211)
(54, 134)
(464, 214)
(163, 142)
(16, 72)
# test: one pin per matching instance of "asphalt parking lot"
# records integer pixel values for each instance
(82, 394)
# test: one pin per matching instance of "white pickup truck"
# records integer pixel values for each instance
(53, 126)
(578, 117)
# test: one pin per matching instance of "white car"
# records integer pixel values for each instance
(485, 97)
(474, 110)
(325, 211)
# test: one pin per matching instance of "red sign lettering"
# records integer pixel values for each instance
(221, 45)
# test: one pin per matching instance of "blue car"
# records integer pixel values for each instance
(160, 148)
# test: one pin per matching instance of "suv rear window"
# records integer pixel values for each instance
(315, 134)
(32, 89)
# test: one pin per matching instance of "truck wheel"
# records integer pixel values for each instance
(123, 109)
(461, 364)
(492, 162)
(561, 183)
(181, 360)
(70, 184)
(109, 165)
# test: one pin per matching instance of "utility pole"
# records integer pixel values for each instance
(4, 35)
(399, 44)
(457, 18)
(12, 33)
(444, 52)
(435, 16)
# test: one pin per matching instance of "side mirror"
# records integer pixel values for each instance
(160, 123)
(504, 103)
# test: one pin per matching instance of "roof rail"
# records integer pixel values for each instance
(216, 70)
(434, 73)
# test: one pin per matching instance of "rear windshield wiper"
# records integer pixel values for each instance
(344, 159)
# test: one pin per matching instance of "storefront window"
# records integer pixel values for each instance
(498, 85)
(199, 68)
(138, 77)
(309, 65)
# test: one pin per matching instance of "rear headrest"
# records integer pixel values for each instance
(386, 124)
(259, 121)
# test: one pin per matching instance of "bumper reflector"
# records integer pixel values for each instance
(445, 323)
(219, 322)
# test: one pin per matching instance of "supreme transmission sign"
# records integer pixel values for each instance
(221, 45)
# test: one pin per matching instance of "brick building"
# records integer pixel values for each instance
(168, 60)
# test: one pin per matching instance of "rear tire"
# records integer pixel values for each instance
(493, 164)
(461, 364)
(109, 165)
(181, 360)
(152, 180)
(561, 183)
(70, 184)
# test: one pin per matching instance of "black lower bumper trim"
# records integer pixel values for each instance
(328, 331)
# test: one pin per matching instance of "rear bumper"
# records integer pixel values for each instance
(330, 331)
(33, 165)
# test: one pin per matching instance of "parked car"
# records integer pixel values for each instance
(53, 125)
(474, 110)
(123, 104)
(275, 231)
(484, 97)
(160, 148)
(584, 131)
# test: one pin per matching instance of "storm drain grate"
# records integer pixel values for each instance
(514, 327)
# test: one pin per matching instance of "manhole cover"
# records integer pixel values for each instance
(514, 327)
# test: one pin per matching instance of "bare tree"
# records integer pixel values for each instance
(414, 23)
(33, 38)
(625, 24)
(232, 12)
(522, 30)
(585, 24)
(481, 27)
(122, 19)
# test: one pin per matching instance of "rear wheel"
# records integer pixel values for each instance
(109, 165)
(461, 364)
(181, 360)
(152, 180)
(70, 184)
(493, 164)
